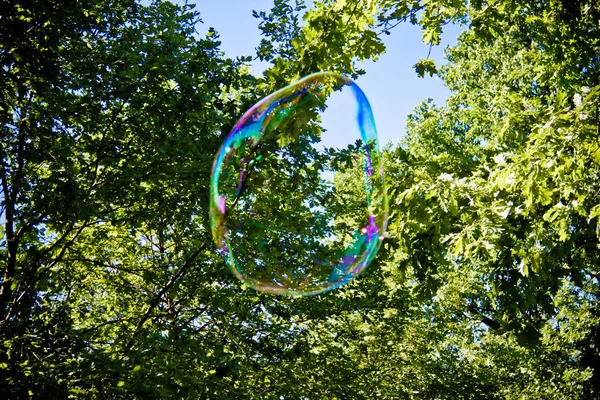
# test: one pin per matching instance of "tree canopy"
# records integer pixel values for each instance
(487, 285)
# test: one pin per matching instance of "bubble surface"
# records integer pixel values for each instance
(297, 197)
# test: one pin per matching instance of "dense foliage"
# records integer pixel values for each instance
(487, 286)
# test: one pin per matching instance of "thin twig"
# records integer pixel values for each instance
(156, 301)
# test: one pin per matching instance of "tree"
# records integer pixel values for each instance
(493, 229)
(497, 193)
(100, 113)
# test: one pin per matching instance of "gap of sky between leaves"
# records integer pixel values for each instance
(391, 83)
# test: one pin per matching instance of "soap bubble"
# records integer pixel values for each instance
(297, 196)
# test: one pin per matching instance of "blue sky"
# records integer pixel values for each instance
(390, 83)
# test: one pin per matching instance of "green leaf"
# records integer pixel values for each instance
(425, 66)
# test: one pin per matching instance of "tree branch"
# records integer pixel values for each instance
(10, 199)
(156, 300)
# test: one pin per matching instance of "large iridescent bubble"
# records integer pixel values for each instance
(297, 196)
